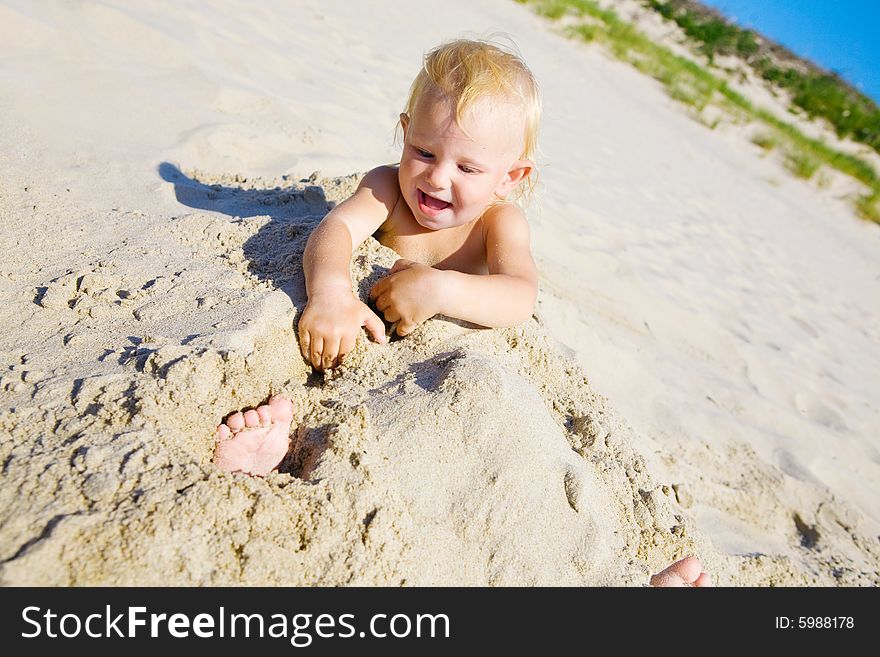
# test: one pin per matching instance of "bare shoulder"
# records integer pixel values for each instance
(382, 184)
(506, 235)
(373, 200)
(505, 221)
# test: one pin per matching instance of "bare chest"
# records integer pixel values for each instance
(461, 248)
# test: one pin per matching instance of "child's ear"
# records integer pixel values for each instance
(404, 122)
(516, 173)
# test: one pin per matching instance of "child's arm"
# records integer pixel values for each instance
(414, 292)
(333, 316)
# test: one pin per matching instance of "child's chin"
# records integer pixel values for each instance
(443, 219)
(432, 223)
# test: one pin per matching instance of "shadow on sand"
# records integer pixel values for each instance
(294, 208)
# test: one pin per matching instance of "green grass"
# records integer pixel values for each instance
(693, 85)
(715, 36)
(765, 141)
(552, 9)
(819, 94)
(801, 164)
(868, 207)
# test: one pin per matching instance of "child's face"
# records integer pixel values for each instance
(449, 173)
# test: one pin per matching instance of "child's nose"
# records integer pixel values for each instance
(438, 177)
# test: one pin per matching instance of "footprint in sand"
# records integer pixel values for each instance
(820, 410)
(255, 441)
(805, 326)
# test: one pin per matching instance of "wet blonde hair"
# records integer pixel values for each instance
(467, 71)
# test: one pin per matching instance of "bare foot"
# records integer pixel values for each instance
(254, 442)
(685, 572)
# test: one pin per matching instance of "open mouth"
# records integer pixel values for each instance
(430, 205)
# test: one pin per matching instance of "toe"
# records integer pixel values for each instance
(251, 418)
(688, 569)
(265, 414)
(223, 432)
(282, 409)
(703, 580)
(684, 572)
(235, 421)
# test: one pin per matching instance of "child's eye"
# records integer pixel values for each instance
(423, 153)
(466, 169)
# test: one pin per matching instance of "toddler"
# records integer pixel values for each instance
(469, 133)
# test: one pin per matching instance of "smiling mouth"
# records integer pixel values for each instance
(430, 205)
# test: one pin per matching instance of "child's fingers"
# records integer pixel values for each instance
(331, 352)
(345, 345)
(404, 328)
(391, 314)
(400, 265)
(382, 302)
(316, 352)
(305, 341)
(379, 288)
(375, 327)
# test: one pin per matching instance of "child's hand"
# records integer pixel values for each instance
(409, 295)
(330, 324)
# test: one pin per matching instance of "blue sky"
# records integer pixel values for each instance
(840, 35)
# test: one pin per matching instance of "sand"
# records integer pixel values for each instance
(455, 456)
(697, 377)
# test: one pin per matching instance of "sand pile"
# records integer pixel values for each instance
(456, 456)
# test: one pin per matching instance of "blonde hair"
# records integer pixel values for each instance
(467, 71)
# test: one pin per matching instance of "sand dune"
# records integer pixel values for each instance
(698, 377)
